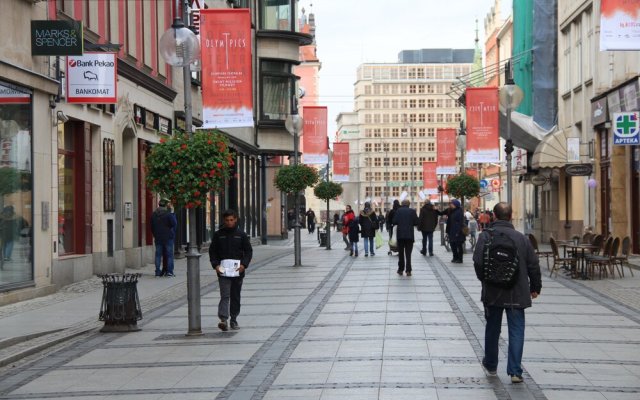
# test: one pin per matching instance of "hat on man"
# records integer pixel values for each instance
(455, 202)
(163, 202)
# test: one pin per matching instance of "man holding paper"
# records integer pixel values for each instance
(230, 253)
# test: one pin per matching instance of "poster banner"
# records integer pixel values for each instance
(619, 25)
(483, 136)
(91, 78)
(341, 162)
(446, 150)
(429, 177)
(227, 92)
(314, 138)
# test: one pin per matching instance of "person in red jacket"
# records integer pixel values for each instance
(347, 217)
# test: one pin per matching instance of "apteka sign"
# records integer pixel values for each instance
(91, 78)
(626, 128)
(56, 38)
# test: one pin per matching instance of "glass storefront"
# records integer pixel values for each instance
(16, 219)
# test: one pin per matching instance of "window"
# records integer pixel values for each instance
(276, 90)
(588, 21)
(566, 37)
(431, 132)
(279, 15)
(431, 147)
(413, 89)
(413, 103)
(422, 132)
(367, 147)
(421, 103)
(430, 103)
(422, 117)
(108, 155)
(578, 62)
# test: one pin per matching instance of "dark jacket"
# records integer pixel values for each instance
(390, 214)
(428, 219)
(163, 225)
(354, 231)
(406, 219)
(455, 223)
(368, 223)
(529, 279)
(231, 244)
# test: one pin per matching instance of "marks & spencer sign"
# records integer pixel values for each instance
(56, 38)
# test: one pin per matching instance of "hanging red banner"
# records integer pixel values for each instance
(483, 136)
(472, 172)
(429, 177)
(314, 139)
(227, 91)
(341, 162)
(446, 160)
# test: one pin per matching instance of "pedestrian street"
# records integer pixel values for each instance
(342, 327)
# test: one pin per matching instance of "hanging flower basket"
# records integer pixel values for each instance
(295, 178)
(185, 169)
(327, 190)
(463, 185)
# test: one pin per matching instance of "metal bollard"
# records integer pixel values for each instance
(120, 309)
(323, 238)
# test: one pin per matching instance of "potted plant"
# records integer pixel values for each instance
(327, 190)
(186, 168)
(295, 178)
(463, 185)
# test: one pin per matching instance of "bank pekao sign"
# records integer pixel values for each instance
(626, 128)
(91, 78)
(56, 38)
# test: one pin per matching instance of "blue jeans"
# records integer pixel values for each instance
(515, 323)
(427, 237)
(371, 247)
(166, 249)
(354, 247)
(7, 249)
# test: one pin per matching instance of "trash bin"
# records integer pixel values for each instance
(323, 238)
(120, 309)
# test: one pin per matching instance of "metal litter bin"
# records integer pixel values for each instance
(120, 309)
(323, 238)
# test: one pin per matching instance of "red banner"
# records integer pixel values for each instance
(429, 177)
(314, 138)
(341, 162)
(446, 160)
(472, 172)
(483, 136)
(227, 91)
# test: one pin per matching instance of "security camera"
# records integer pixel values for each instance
(301, 92)
(62, 117)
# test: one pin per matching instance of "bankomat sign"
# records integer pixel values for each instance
(56, 38)
(91, 78)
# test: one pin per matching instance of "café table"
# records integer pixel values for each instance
(578, 251)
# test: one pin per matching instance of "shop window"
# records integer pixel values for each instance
(276, 89)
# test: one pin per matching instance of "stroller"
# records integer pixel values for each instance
(393, 246)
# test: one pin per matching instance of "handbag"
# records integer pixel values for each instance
(378, 239)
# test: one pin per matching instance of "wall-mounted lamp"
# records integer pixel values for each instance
(62, 117)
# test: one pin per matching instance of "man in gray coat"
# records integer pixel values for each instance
(405, 218)
(427, 223)
(513, 301)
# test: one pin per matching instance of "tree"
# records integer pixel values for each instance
(295, 178)
(463, 185)
(327, 190)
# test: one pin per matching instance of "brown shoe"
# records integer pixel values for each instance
(222, 325)
(408, 273)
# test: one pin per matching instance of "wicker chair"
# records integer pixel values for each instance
(546, 254)
(623, 259)
(605, 262)
(559, 262)
(598, 240)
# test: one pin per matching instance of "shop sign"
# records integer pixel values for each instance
(10, 94)
(578, 169)
(599, 111)
(149, 119)
(91, 78)
(626, 128)
(56, 38)
(164, 125)
(138, 114)
(539, 180)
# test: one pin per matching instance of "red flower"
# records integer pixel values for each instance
(196, 193)
(198, 203)
(176, 171)
(162, 140)
(156, 181)
(209, 141)
(173, 163)
(202, 183)
(189, 205)
(204, 174)
(183, 146)
(219, 165)
(231, 163)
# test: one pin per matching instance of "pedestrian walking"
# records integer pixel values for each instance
(389, 217)
(311, 221)
(484, 220)
(514, 300)
(381, 222)
(473, 231)
(455, 224)
(427, 223)
(354, 236)
(163, 229)
(347, 217)
(405, 218)
(368, 225)
(336, 219)
(230, 253)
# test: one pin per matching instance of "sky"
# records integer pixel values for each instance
(353, 32)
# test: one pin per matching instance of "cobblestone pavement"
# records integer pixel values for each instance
(350, 328)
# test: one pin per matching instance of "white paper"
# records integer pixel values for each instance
(230, 267)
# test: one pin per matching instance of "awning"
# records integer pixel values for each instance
(525, 133)
(551, 152)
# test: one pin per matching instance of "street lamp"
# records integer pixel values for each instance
(462, 145)
(410, 134)
(510, 97)
(293, 123)
(179, 47)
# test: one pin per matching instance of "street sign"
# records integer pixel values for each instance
(626, 129)
(578, 169)
(91, 78)
(483, 183)
(539, 180)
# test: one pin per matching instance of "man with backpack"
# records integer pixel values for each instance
(508, 267)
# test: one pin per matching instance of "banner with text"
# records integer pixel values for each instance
(446, 160)
(341, 162)
(429, 177)
(483, 136)
(314, 138)
(227, 92)
(619, 25)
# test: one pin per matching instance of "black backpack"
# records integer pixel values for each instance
(500, 261)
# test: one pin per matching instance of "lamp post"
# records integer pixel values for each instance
(462, 145)
(293, 123)
(410, 134)
(328, 229)
(510, 97)
(179, 47)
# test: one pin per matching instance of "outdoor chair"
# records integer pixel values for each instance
(623, 259)
(546, 254)
(598, 240)
(559, 262)
(605, 260)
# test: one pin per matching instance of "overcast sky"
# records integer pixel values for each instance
(352, 32)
